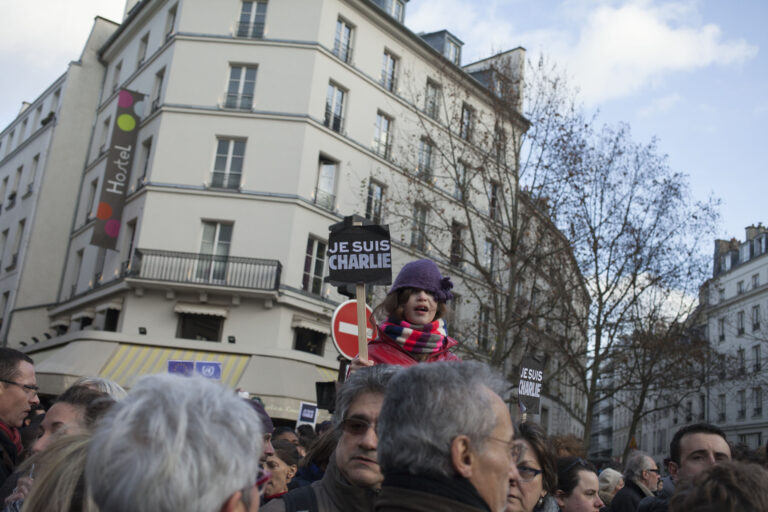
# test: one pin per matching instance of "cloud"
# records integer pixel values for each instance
(660, 105)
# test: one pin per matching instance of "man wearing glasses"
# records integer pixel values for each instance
(446, 440)
(18, 394)
(352, 478)
(641, 479)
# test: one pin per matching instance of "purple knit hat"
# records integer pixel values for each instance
(424, 275)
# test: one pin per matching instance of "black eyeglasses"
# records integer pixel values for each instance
(527, 474)
(356, 426)
(654, 471)
(26, 387)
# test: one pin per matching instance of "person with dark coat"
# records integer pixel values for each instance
(641, 479)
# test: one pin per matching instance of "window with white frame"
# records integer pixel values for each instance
(157, 89)
(116, 75)
(146, 149)
(242, 83)
(740, 323)
(228, 165)
(425, 159)
(374, 202)
(325, 191)
(419, 228)
(17, 244)
(253, 16)
(465, 131)
(757, 399)
(33, 173)
(214, 251)
(459, 190)
(489, 255)
(388, 70)
(3, 242)
(756, 317)
(432, 99)
(89, 214)
(757, 362)
(143, 43)
(453, 52)
(395, 8)
(740, 287)
(104, 135)
(170, 21)
(382, 135)
(334, 107)
(314, 266)
(342, 43)
(755, 281)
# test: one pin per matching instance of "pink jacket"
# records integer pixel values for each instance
(384, 350)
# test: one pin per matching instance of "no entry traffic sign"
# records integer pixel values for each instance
(344, 328)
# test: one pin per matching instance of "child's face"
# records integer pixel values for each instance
(420, 308)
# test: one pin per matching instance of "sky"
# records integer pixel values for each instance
(692, 73)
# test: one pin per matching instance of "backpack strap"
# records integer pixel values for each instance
(302, 499)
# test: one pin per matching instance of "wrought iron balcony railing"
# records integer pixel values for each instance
(205, 269)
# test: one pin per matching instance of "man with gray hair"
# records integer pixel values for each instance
(641, 479)
(446, 440)
(177, 443)
(352, 478)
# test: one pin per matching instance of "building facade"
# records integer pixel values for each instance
(263, 124)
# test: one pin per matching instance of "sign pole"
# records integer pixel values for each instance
(362, 338)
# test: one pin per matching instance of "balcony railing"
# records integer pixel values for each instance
(252, 30)
(206, 269)
(238, 101)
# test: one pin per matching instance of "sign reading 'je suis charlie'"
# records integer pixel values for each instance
(120, 157)
(359, 254)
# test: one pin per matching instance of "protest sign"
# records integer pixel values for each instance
(529, 388)
(307, 414)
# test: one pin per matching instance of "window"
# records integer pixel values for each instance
(388, 71)
(742, 360)
(126, 251)
(465, 131)
(493, 200)
(146, 149)
(742, 400)
(453, 52)
(214, 251)
(33, 173)
(38, 115)
(325, 192)
(756, 359)
(342, 43)
(3, 241)
(425, 159)
(756, 317)
(157, 89)
(374, 202)
(314, 266)
(460, 180)
(242, 82)
(432, 100)
(4, 306)
(484, 339)
(55, 100)
(199, 327)
(10, 141)
(489, 255)
(740, 323)
(111, 319)
(116, 75)
(457, 244)
(143, 43)
(334, 108)
(15, 187)
(104, 135)
(721, 329)
(308, 340)
(23, 130)
(757, 398)
(4, 188)
(98, 270)
(721, 407)
(755, 281)
(419, 228)
(721, 294)
(228, 167)
(16, 245)
(252, 19)
(740, 287)
(382, 134)
(89, 214)
(395, 8)
(170, 21)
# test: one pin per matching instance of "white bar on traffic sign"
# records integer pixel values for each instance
(347, 328)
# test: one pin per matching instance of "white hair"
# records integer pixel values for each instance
(110, 387)
(174, 443)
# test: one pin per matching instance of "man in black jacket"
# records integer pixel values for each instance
(641, 479)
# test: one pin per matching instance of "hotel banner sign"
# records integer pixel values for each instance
(120, 156)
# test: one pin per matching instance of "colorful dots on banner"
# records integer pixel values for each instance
(112, 228)
(125, 100)
(126, 122)
(104, 211)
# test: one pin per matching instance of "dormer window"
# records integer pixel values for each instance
(453, 52)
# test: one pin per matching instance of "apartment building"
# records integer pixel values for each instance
(262, 123)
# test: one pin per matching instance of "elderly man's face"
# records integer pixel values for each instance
(650, 477)
(494, 467)
(698, 452)
(356, 450)
(15, 400)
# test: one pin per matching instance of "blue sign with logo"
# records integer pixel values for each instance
(208, 369)
(186, 368)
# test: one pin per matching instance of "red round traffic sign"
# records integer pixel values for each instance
(344, 328)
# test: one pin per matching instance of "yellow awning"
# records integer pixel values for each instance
(132, 361)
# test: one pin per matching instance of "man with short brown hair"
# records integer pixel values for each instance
(18, 394)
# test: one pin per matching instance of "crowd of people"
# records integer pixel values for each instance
(404, 437)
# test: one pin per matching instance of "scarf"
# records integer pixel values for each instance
(416, 339)
(13, 436)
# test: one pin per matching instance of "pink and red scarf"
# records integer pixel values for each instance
(417, 339)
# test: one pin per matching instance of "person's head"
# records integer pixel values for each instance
(107, 386)
(536, 469)
(59, 477)
(18, 387)
(418, 294)
(640, 468)
(695, 448)
(68, 414)
(176, 443)
(611, 482)
(725, 487)
(307, 437)
(448, 419)
(358, 404)
(577, 485)
(285, 434)
(282, 466)
(266, 427)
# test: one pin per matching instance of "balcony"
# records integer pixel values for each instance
(205, 269)
(325, 199)
(238, 101)
(250, 30)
